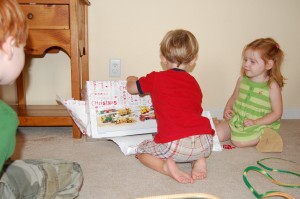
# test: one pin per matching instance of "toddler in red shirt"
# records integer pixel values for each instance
(183, 134)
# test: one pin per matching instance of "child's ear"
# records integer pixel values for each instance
(193, 62)
(8, 46)
(270, 64)
(163, 59)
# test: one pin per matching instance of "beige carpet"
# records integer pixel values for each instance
(109, 174)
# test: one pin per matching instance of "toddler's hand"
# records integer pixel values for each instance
(228, 113)
(249, 122)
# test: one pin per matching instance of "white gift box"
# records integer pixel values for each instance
(114, 112)
(109, 111)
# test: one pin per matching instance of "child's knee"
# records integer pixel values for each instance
(223, 131)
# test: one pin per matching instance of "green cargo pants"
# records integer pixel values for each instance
(42, 179)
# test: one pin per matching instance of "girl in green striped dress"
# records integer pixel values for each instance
(256, 102)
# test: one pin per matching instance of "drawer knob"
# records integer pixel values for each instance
(30, 16)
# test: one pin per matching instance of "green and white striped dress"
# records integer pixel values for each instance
(253, 102)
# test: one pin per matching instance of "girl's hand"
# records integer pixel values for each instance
(249, 122)
(228, 113)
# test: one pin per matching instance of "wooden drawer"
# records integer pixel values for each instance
(46, 16)
(40, 40)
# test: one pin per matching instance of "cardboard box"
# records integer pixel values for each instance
(113, 112)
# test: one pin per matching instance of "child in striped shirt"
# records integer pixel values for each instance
(256, 102)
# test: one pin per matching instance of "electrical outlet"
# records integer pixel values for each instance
(115, 68)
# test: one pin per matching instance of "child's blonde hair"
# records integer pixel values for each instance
(12, 22)
(179, 46)
(268, 49)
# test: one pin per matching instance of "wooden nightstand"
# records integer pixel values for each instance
(55, 25)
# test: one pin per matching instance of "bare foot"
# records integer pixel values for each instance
(199, 169)
(174, 172)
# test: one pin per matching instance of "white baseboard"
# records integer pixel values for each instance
(287, 114)
(291, 114)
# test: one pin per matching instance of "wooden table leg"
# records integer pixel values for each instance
(76, 131)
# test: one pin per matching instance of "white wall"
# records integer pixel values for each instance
(131, 30)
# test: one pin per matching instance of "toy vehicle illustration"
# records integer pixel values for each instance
(144, 109)
(148, 116)
(106, 119)
(125, 111)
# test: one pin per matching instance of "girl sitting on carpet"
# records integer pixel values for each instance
(256, 103)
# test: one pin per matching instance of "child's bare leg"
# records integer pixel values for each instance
(199, 169)
(223, 131)
(167, 167)
(245, 143)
